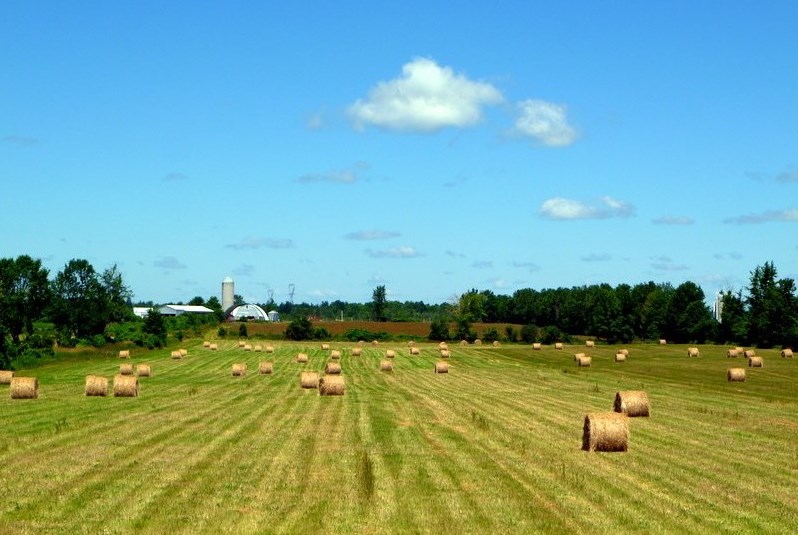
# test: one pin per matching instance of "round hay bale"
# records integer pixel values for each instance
(325, 347)
(183, 352)
(477, 342)
(749, 353)
(537, 346)
(590, 343)
(558, 345)
(632, 403)
(335, 354)
(786, 353)
(356, 351)
(333, 368)
(309, 380)
(584, 362)
(386, 366)
(269, 349)
(96, 385)
(731, 353)
(735, 374)
(241, 343)
(124, 354)
(605, 431)
(443, 345)
(126, 369)
(578, 356)
(239, 369)
(620, 357)
(692, 352)
(740, 350)
(126, 386)
(206, 344)
(265, 368)
(176, 355)
(625, 352)
(5, 377)
(374, 343)
(258, 348)
(213, 347)
(441, 367)
(247, 347)
(415, 351)
(143, 370)
(24, 388)
(445, 354)
(463, 342)
(390, 354)
(361, 343)
(663, 342)
(411, 343)
(301, 357)
(496, 343)
(332, 385)
(755, 362)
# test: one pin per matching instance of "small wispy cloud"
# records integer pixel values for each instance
(596, 257)
(482, 264)
(727, 256)
(784, 176)
(498, 283)
(244, 270)
(322, 294)
(454, 254)
(545, 122)
(404, 251)
(20, 141)
(665, 263)
(315, 122)
(349, 175)
(531, 266)
(455, 182)
(787, 176)
(169, 262)
(606, 207)
(174, 177)
(790, 216)
(673, 220)
(373, 234)
(255, 242)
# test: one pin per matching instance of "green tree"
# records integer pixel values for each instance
(78, 303)
(242, 330)
(155, 326)
(688, 319)
(197, 301)
(300, 328)
(116, 295)
(733, 325)
(772, 307)
(439, 330)
(378, 301)
(24, 294)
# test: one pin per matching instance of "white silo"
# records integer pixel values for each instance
(228, 291)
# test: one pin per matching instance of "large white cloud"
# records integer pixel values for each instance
(427, 97)
(606, 207)
(545, 122)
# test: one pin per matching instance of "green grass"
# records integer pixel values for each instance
(493, 446)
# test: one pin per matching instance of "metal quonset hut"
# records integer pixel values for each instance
(248, 311)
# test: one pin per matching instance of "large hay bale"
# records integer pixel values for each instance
(126, 369)
(445, 354)
(557, 345)
(590, 343)
(605, 431)
(731, 353)
(335, 354)
(578, 356)
(265, 368)
(213, 347)
(124, 353)
(206, 344)
(269, 349)
(749, 353)
(496, 343)
(309, 380)
(96, 385)
(740, 350)
(143, 370)
(390, 354)
(441, 367)
(332, 385)
(477, 342)
(176, 355)
(301, 357)
(415, 351)
(692, 352)
(239, 369)
(183, 351)
(620, 357)
(735, 374)
(258, 348)
(325, 347)
(537, 346)
(6, 376)
(584, 362)
(786, 353)
(333, 368)
(632, 403)
(356, 351)
(755, 362)
(126, 386)
(24, 388)
(386, 366)
(663, 342)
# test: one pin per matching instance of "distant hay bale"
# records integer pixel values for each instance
(731, 353)
(239, 369)
(755, 362)
(445, 354)
(578, 356)
(605, 431)
(301, 357)
(390, 354)
(749, 353)
(374, 343)
(625, 352)
(443, 345)
(5, 377)
(692, 352)
(332, 385)
(740, 350)
(441, 367)
(558, 345)
(632, 403)
(24, 388)
(325, 347)
(356, 351)
(177, 355)
(183, 352)
(96, 385)
(265, 368)
(213, 347)
(124, 353)
(335, 354)
(126, 386)
(663, 342)
(735, 374)
(786, 353)
(241, 343)
(206, 344)
(620, 357)
(496, 343)
(537, 346)
(333, 368)
(477, 342)
(258, 348)
(126, 369)
(386, 366)
(361, 342)
(590, 343)
(247, 347)
(309, 380)
(411, 343)
(415, 351)
(584, 362)
(463, 342)
(269, 349)
(143, 370)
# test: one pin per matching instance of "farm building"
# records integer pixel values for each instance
(178, 310)
(247, 311)
(141, 312)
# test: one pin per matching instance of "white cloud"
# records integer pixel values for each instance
(606, 207)
(20, 141)
(404, 251)
(531, 266)
(673, 220)
(315, 122)
(764, 217)
(545, 122)
(426, 98)
(255, 242)
(348, 175)
(373, 234)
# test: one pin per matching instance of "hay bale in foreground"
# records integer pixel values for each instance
(356, 351)
(786, 353)
(309, 380)
(620, 357)
(126, 386)
(239, 369)
(96, 385)
(390, 354)
(301, 357)
(445, 354)
(590, 343)
(124, 353)
(441, 367)
(24, 388)
(265, 368)
(735, 374)
(386, 366)
(605, 431)
(6, 376)
(731, 353)
(632, 403)
(213, 347)
(558, 345)
(325, 347)
(332, 385)
(415, 351)
(584, 362)
(126, 369)
(335, 354)
(537, 346)
(176, 355)
(692, 352)
(749, 353)
(333, 368)
(143, 370)
(755, 362)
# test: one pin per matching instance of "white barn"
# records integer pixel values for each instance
(178, 310)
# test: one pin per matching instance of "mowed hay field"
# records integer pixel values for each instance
(492, 446)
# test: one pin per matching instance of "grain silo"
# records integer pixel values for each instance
(228, 291)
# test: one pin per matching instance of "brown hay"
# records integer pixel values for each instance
(301, 357)
(605, 431)
(415, 351)
(206, 344)
(558, 345)
(126, 369)
(620, 357)
(333, 368)
(24, 388)
(386, 366)
(496, 343)
(124, 354)
(214, 347)
(239, 369)
(749, 353)
(309, 380)
(441, 367)
(265, 368)
(590, 343)
(335, 354)
(126, 386)
(755, 362)
(477, 342)
(692, 352)
(537, 346)
(96, 385)
(786, 353)
(731, 353)
(390, 354)
(735, 374)
(143, 370)
(332, 385)
(356, 351)
(258, 348)
(325, 347)
(176, 355)
(632, 403)
(584, 362)
(183, 352)
(5, 377)
(269, 349)
(445, 354)
(663, 342)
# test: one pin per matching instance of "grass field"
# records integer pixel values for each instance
(491, 447)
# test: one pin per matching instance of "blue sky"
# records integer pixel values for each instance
(428, 147)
